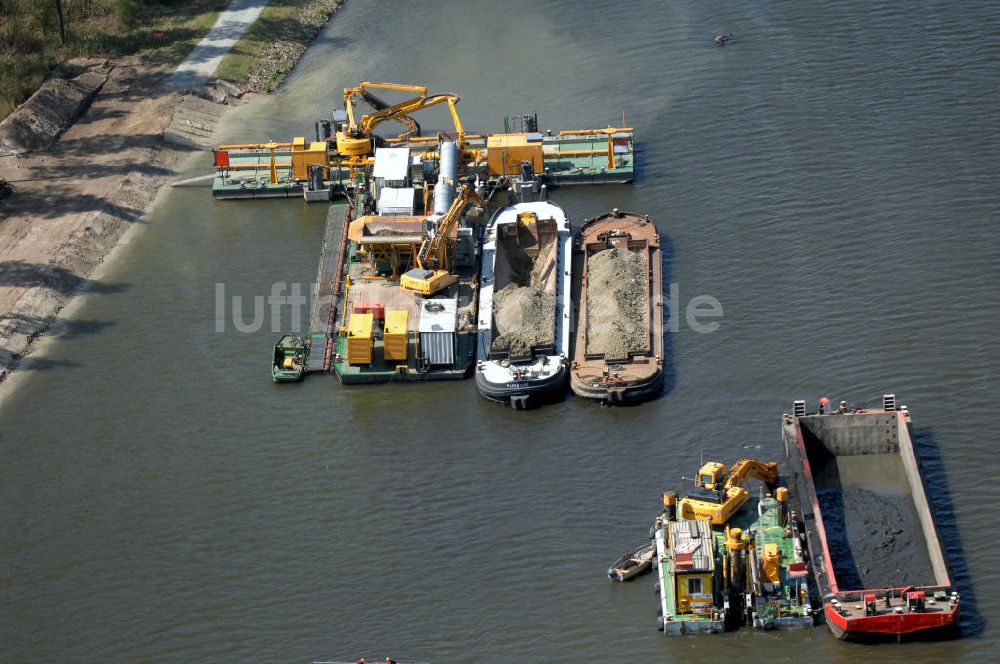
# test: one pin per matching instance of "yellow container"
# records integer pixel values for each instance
(505, 152)
(395, 338)
(303, 157)
(360, 338)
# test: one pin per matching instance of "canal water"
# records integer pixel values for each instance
(829, 177)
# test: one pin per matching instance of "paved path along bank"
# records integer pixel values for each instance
(201, 63)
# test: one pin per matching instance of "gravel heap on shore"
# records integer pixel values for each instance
(60, 100)
(283, 54)
(617, 304)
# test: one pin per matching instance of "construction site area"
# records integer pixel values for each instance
(398, 280)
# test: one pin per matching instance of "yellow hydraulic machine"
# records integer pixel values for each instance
(354, 140)
(433, 271)
(719, 495)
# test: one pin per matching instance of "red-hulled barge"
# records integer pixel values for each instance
(875, 550)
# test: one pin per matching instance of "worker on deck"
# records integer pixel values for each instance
(823, 403)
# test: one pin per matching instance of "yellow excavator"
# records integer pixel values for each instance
(718, 494)
(355, 139)
(432, 273)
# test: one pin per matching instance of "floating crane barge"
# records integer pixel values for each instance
(726, 558)
(397, 292)
(280, 170)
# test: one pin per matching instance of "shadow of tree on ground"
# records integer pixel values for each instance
(19, 274)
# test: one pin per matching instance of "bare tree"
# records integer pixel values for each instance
(62, 21)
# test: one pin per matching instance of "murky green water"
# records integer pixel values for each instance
(830, 177)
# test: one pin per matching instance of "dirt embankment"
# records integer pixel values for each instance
(122, 134)
(524, 309)
(39, 121)
(617, 304)
(74, 200)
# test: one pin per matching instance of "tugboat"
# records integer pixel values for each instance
(289, 359)
(618, 355)
(525, 313)
(889, 580)
(725, 558)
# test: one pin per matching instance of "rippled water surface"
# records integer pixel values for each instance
(829, 176)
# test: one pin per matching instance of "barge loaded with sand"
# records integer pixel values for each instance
(618, 292)
(876, 555)
(726, 557)
(396, 297)
(525, 314)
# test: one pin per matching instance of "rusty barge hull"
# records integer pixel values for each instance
(871, 590)
(594, 374)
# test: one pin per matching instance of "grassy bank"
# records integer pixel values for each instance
(32, 43)
(275, 42)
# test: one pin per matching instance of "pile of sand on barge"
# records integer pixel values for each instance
(524, 310)
(617, 304)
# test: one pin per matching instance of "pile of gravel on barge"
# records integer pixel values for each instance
(524, 309)
(618, 304)
(525, 313)
(618, 292)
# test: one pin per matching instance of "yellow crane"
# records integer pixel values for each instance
(432, 273)
(354, 140)
(719, 494)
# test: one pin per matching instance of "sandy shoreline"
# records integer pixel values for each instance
(76, 200)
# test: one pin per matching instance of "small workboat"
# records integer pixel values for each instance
(632, 564)
(289, 359)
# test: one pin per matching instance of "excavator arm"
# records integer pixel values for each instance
(432, 251)
(356, 139)
(733, 495)
(362, 91)
(738, 473)
(432, 273)
(404, 109)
